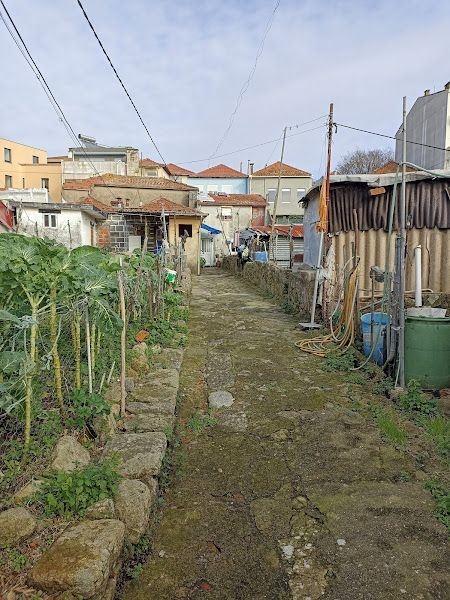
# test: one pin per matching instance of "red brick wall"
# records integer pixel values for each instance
(258, 214)
(103, 236)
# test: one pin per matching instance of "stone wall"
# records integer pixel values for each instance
(292, 290)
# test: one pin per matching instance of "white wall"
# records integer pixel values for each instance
(26, 195)
(241, 217)
(73, 227)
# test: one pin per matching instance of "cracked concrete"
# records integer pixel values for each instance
(292, 494)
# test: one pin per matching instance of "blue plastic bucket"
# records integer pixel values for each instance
(376, 337)
(261, 256)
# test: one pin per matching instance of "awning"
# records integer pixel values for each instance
(210, 229)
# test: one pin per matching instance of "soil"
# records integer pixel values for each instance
(291, 492)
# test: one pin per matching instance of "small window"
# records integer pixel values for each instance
(300, 193)
(227, 213)
(45, 183)
(35, 160)
(7, 156)
(227, 189)
(271, 195)
(50, 220)
(286, 195)
(184, 229)
(8, 181)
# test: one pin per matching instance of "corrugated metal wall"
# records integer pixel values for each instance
(282, 250)
(372, 250)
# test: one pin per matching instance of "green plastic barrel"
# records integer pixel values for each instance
(427, 351)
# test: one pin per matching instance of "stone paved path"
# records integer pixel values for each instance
(293, 493)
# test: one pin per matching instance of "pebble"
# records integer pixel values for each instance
(341, 542)
(288, 550)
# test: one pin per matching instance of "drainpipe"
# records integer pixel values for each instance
(418, 266)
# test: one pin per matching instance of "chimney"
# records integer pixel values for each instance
(251, 168)
(426, 93)
(447, 86)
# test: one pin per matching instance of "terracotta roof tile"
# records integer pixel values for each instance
(131, 181)
(148, 162)
(390, 167)
(286, 171)
(297, 230)
(169, 207)
(221, 171)
(97, 204)
(177, 170)
(236, 200)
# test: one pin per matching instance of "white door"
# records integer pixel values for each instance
(207, 251)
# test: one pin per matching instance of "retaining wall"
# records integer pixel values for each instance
(292, 290)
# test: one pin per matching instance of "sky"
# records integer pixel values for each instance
(184, 62)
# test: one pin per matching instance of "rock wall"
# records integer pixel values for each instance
(292, 290)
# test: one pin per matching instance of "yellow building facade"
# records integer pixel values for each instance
(23, 166)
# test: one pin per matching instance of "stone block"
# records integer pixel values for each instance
(69, 455)
(133, 502)
(80, 561)
(16, 524)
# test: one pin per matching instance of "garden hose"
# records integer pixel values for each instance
(343, 334)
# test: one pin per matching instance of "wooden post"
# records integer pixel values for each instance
(122, 341)
(88, 348)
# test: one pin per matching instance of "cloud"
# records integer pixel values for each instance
(185, 62)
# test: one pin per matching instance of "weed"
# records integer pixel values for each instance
(441, 496)
(415, 401)
(85, 407)
(388, 427)
(168, 432)
(336, 360)
(356, 377)
(14, 559)
(135, 571)
(70, 494)
(197, 423)
(403, 476)
(383, 386)
(438, 430)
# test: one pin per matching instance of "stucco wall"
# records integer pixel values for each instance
(241, 218)
(292, 291)
(134, 195)
(261, 185)
(24, 173)
(228, 185)
(73, 227)
(192, 246)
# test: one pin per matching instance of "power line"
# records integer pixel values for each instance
(247, 82)
(391, 137)
(255, 146)
(120, 81)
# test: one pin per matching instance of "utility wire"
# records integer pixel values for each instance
(199, 160)
(120, 81)
(247, 82)
(391, 137)
(45, 86)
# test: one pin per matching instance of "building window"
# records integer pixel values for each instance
(7, 155)
(300, 193)
(212, 188)
(8, 181)
(23, 182)
(286, 195)
(45, 183)
(227, 189)
(226, 213)
(271, 195)
(183, 229)
(50, 220)
(35, 160)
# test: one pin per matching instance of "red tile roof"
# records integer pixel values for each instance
(164, 204)
(221, 171)
(389, 167)
(297, 230)
(176, 170)
(148, 162)
(97, 204)
(235, 200)
(286, 171)
(130, 181)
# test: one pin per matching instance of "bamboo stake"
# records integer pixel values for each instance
(122, 343)
(55, 353)
(102, 381)
(88, 348)
(77, 352)
(110, 374)
(29, 379)
(93, 354)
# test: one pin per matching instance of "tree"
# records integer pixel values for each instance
(364, 161)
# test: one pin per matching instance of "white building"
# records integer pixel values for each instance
(428, 122)
(70, 224)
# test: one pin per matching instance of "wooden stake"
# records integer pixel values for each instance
(123, 392)
(88, 348)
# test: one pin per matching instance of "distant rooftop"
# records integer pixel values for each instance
(273, 170)
(220, 171)
(234, 200)
(126, 181)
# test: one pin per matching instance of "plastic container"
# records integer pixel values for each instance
(377, 336)
(261, 256)
(170, 276)
(427, 351)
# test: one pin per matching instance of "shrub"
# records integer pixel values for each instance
(70, 494)
(442, 498)
(388, 427)
(438, 429)
(336, 360)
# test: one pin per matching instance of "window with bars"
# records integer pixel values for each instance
(50, 220)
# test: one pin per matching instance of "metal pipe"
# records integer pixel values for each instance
(401, 263)
(316, 281)
(418, 269)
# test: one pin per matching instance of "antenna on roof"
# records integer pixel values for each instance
(87, 139)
